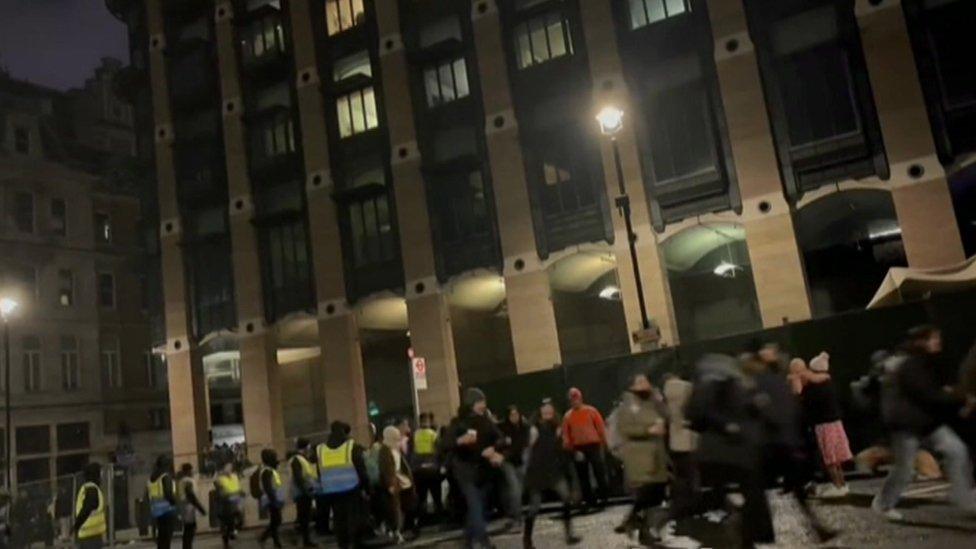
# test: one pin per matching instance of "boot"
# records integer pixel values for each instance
(570, 537)
(527, 533)
(630, 524)
(649, 527)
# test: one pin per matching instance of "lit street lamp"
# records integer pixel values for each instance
(611, 121)
(7, 307)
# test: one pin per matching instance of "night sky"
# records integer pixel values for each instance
(57, 43)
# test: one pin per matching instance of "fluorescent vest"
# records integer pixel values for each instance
(425, 442)
(94, 525)
(229, 487)
(158, 504)
(309, 475)
(279, 493)
(337, 473)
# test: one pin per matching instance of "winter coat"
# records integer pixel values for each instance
(644, 456)
(676, 395)
(716, 403)
(820, 403)
(390, 475)
(547, 458)
(912, 398)
(516, 440)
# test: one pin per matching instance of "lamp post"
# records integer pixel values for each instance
(7, 306)
(611, 121)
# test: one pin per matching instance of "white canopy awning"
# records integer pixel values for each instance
(904, 284)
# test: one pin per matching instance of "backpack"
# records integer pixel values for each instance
(254, 482)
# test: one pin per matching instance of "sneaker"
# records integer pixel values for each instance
(889, 514)
(833, 492)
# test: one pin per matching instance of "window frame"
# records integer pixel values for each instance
(33, 367)
(61, 217)
(70, 288)
(345, 102)
(20, 217)
(437, 70)
(687, 5)
(22, 140)
(339, 27)
(110, 359)
(103, 227)
(100, 277)
(527, 26)
(70, 364)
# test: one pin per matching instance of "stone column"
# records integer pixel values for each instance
(777, 263)
(920, 189)
(340, 387)
(610, 88)
(187, 382)
(535, 338)
(260, 388)
(428, 313)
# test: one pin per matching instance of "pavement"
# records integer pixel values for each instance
(929, 522)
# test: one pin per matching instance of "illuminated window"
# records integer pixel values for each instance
(341, 15)
(543, 38)
(645, 12)
(32, 363)
(357, 112)
(446, 82)
(263, 37)
(103, 228)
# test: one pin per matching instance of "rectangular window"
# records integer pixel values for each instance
(275, 136)
(106, 290)
(35, 470)
(66, 287)
(59, 217)
(31, 348)
(70, 369)
(646, 12)
(21, 140)
(542, 38)
(341, 15)
(155, 370)
(34, 439)
(446, 82)
(73, 436)
(158, 419)
(372, 231)
(103, 228)
(264, 38)
(23, 213)
(357, 112)
(352, 65)
(462, 208)
(111, 365)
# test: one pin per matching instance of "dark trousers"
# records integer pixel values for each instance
(592, 459)
(429, 484)
(303, 518)
(322, 511)
(164, 530)
(475, 493)
(189, 532)
(230, 521)
(91, 543)
(274, 522)
(346, 510)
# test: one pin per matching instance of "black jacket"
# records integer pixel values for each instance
(820, 404)
(516, 439)
(714, 405)
(914, 400)
(547, 459)
(488, 435)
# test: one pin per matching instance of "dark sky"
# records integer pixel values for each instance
(57, 43)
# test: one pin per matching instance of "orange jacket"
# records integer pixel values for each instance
(583, 426)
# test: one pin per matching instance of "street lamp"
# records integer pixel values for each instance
(7, 307)
(611, 119)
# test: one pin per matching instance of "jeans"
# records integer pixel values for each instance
(904, 447)
(475, 494)
(592, 458)
(429, 484)
(189, 532)
(513, 491)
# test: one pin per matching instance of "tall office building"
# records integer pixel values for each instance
(344, 182)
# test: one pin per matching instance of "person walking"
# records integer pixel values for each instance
(546, 472)
(642, 425)
(90, 525)
(425, 463)
(272, 497)
(397, 486)
(230, 497)
(190, 505)
(515, 442)
(342, 481)
(161, 494)
(916, 410)
(585, 435)
(304, 478)
(473, 436)
(821, 409)
(682, 441)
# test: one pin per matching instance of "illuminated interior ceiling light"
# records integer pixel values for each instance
(611, 120)
(610, 293)
(726, 269)
(896, 231)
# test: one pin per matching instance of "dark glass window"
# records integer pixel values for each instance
(371, 231)
(23, 212)
(210, 272)
(106, 290)
(35, 439)
(646, 12)
(264, 38)
(342, 15)
(287, 266)
(103, 228)
(446, 82)
(70, 368)
(542, 38)
(66, 287)
(59, 217)
(71, 464)
(22, 140)
(274, 136)
(31, 348)
(462, 208)
(565, 188)
(73, 436)
(33, 470)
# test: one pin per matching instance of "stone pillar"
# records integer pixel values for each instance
(428, 314)
(610, 88)
(187, 382)
(260, 388)
(777, 263)
(920, 189)
(535, 339)
(340, 388)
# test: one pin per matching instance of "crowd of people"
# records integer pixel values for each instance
(714, 441)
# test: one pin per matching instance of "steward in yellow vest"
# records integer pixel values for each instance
(90, 517)
(342, 478)
(230, 495)
(304, 484)
(161, 492)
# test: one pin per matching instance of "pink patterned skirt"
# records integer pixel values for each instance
(832, 439)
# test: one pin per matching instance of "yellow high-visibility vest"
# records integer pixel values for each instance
(337, 473)
(230, 487)
(94, 525)
(425, 442)
(308, 470)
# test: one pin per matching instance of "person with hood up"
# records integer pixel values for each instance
(304, 478)
(397, 485)
(546, 472)
(642, 424)
(585, 435)
(342, 481)
(473, 437)
(230, 498)
(821, 409)
(90, 524)
(161, 494)
(190, 505)
(272, 496)
(917, 410)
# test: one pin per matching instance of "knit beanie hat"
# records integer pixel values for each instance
(820, 363)
(473, 395)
